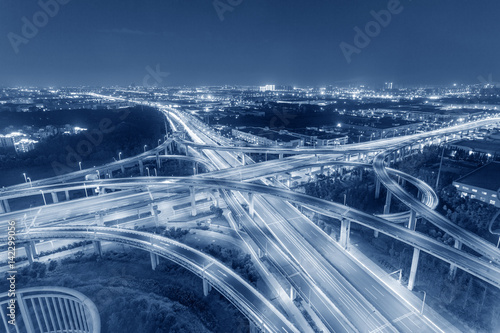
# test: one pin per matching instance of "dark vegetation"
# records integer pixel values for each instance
(128, 130)
(131, 297)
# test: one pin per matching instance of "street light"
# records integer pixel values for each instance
(28, 178)
(423, 302)
(24, 174)
(120, 156)
(43, 196)
(80, 164)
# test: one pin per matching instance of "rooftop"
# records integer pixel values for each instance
(486, 177)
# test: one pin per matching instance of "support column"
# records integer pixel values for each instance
(97, 248)
(55, 199)
(243, 159)
(141, 167)
(388, 198)
(453, 268)
(2, 209)
(293, 293)
(280, 156)
(206, 287)
(110, 173)
(412, 222)
(251, 205)
(122, 168)
(66, 193)
(193, 200)
(29, 253)
(155, 260)
(345, 229)
(6, 205)
(154, 213)
(413, 270)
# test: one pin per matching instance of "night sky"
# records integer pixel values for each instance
(108, 42)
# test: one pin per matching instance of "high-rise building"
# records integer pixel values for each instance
(6, 141)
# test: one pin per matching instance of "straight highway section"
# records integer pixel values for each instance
(245, 297)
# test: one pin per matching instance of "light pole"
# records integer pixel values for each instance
(28, 178)
(43, 196)
(80, 165)
(145, 148)
(24, 174)
(423, 302)
(159, 142)
(120, 156)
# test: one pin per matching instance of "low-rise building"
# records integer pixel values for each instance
(481, 184)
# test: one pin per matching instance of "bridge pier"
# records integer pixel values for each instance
(97, 248)
(293, 293)
(155, 260)
(193, 200)
(55, 199)
(195, 168)
(251, 204)
(122, 168)
(377, 188)
(66, 193)
(141, 167)
(30, 248)
(6, 205)
(388, 199)
(154, 213)
(280, 156)
(99, 217)
(158, 161)
(453, 268)
(412, 222)
(345, 229)
(413, 269)
(206, 287)
(243, 159)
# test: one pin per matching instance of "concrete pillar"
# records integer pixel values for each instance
(66, 193)
(155, 260)
(2, 209)
(141, 167)
(206, 287)
(453, 268)
(345, 228)
(97, 248)
(110, 173)
(6, 205)
(55, 199)
(29, 252)
(251, 205)
(186, 149)
(243, 159)
(413, 269)
(293, 293)
(193, 200)
(412, 222)
(122, 168)
(377, 187)
(280, 156)
(322, 169)
(154, 213)
(99, 217)
(387, 206)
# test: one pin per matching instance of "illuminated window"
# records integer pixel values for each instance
(492, 202)
(474, 190)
